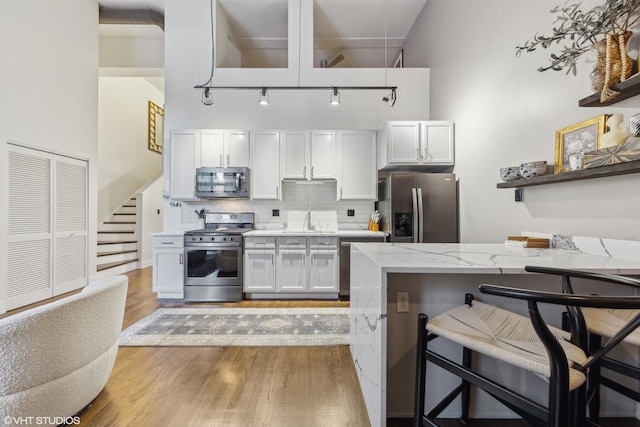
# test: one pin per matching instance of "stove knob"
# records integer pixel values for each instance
(201, 238)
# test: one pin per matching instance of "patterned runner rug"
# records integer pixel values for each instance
(221, 326)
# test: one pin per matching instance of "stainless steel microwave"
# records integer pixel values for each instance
(222, 182)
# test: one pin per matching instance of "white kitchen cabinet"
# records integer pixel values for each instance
(294, 155)
(224, 148)
(357, 172)
(323, 264)
(259, 264)
(308, 155)
(419, 143)
(265, 165)
(291, 264)
(185, 158)
(168, 266)
(323, 155)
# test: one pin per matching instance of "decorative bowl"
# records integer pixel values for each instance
(510, 173)
(531, 169)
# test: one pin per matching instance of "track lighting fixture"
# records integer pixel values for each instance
(263, 97)
(207, 97)
(391, 98)
(335, 97)
(263, 94)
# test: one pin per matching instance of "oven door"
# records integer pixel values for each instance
(213, 264)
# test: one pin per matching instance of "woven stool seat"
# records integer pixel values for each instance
(505, 336)
(607, 322)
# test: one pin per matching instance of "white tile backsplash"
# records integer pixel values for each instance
(295, 197)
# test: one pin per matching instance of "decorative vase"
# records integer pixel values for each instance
(613, 64)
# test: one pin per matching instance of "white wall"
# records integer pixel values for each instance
(152, 206)
(506, 113)
(49, 91)
(125, 162)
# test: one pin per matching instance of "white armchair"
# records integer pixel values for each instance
(56, 358)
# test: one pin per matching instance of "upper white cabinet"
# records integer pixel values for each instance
(224, 148)
(357, 173)
(428, 143)
(265, 170)
(185, 158)
(323, 152)
(308, 155)
(294, 155)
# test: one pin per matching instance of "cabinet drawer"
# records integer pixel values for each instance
(260, 242)
(321, 242)
(160, 242)
(293, 242)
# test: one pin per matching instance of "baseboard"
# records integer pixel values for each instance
(145, 263)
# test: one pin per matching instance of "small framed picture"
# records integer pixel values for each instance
(578, 139)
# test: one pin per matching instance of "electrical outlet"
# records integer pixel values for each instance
(275, 212)
(351, 212)
(402, 302)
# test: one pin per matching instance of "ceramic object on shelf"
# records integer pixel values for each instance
(510, 173)
(531, 169)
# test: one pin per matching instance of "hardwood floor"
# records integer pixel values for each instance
(237, 386)
(226, 386)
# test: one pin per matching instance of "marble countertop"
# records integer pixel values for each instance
(336, 233)
(480, 258)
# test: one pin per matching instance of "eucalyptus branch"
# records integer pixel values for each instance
(581, 30)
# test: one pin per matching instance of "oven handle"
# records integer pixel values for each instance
(212, 245)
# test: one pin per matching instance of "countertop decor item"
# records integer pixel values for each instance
(578, 138)
(510, 173)
(603, 29)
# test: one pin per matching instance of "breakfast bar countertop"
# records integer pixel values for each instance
(435, 275)
(481, 258)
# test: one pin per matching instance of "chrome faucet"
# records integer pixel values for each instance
(308, 224)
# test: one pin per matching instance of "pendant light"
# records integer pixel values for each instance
(334, 99)
(263, 97)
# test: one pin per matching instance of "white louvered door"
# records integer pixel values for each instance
(47, 225)
(70, 225)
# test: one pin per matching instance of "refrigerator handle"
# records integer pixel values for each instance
(414, 200)
(420, 217)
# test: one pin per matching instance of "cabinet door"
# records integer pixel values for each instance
(403, 142)
(184, 160)
(259, 271)
(323, 271)
(437, 143)
(291, 270)
(323, 155)
(265, 169)
(357, 178)
(236, 149)
(168, 270)
(294, 160)
(211, 148)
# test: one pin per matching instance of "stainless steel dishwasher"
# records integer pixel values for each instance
(345, 260)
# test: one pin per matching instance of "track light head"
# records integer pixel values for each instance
(335, 97)
(263, 97)
(391, 98)
(207, 97)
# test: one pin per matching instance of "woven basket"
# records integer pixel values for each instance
(613, 64)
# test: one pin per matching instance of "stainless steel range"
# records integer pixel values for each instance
(213, 255)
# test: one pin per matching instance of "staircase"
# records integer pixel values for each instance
(117, 242)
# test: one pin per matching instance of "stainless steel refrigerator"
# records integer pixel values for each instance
(419, 207)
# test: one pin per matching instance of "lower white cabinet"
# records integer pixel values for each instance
(295, 264)
(168, 266)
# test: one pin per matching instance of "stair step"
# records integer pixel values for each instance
(105, 242)
(116, 252)
(128, 206)
(103, 267)
(123, 213)
(116, 232)
(119, 222)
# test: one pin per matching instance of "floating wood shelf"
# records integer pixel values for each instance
(598, 172)
(628, 88)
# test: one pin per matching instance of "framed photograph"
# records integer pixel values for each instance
(578, 139)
